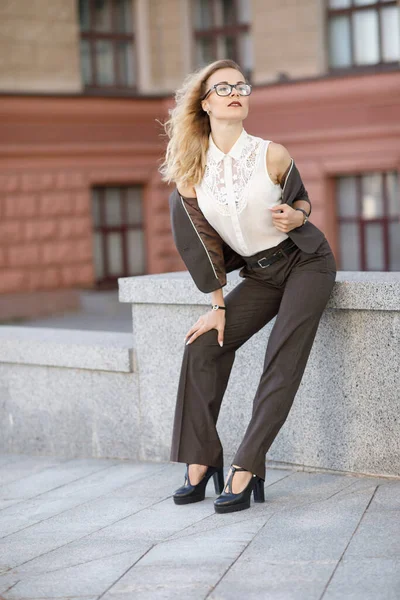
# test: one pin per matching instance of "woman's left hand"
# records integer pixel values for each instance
(285, 218)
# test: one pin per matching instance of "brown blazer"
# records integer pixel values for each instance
(207, 256)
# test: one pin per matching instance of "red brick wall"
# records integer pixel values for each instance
(45, 231)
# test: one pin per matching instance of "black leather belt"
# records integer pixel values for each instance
(266, 261)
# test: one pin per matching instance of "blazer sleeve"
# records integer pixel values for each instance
(198, 243)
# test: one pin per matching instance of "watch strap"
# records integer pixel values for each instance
(217, 306)
(304, 213)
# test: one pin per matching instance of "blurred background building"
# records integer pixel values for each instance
(83, 84)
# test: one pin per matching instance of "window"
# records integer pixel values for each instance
(107, 45)
(363, 33)
(118, 237)
(368, 209)
(222, 30)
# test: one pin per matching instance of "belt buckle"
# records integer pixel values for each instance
(277, 253)
(259, 262)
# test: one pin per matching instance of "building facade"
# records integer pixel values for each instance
(84, 84)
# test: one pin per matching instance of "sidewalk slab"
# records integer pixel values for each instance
(109, 529)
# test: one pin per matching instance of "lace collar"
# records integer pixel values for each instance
(235, 152)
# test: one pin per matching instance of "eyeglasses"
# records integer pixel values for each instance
(225, 89)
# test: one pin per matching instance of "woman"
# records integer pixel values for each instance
(239, 201)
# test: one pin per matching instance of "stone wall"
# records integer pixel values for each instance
(39, 47)
(288, 37)
(68, 393)
(345, 414)
(45, 231)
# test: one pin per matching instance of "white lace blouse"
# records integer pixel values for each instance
(235, 193)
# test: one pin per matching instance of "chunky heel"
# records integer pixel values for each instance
(219, 481)
(230, 502)
(258, 490)
(188, 493)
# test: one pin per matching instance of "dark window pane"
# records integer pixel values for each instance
(104, 62)
(246, 51)
(98, 255)
(390, 33)
(393, 193)
(205, 52)
(102, 15)
(113, 212)
(226, 47)
(347, 197)
(339, 41)
(86, 62)
(375, 257)
(244, 11)
(394, 246)
(126, 63)
(349, 247)
(96, 214)
(124, 16)
(114, 254)
(366, 37)
(202, 14)
(372, 201)
(339, 3)
(135, 239)
(225, 12)
(84, 15)
(134, 206)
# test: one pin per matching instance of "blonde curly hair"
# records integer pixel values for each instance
(188, 128)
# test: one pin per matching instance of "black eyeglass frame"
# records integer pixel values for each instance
(231, 85)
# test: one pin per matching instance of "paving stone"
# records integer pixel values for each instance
(365, 579)
(14, 470)
(48, 504)
(109, 529)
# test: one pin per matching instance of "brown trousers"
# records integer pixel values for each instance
(295, 289)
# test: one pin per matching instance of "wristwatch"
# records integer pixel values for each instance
(217, 306)
(305, 216)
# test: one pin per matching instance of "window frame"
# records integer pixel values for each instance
(92, 36)
(108, 280)
(350, 11)
(361, 221)
(215, 31)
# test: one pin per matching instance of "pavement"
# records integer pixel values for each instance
(94, 529)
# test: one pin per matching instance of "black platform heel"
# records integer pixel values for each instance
(230, 502)
(258, 490)
(189, 493)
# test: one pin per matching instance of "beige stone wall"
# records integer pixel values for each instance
(288, 37)
(169, 43)
(39, 49)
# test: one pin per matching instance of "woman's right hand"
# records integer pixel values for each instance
(213, 319)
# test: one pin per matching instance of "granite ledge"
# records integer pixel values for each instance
(78, 349)
(354, 290)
